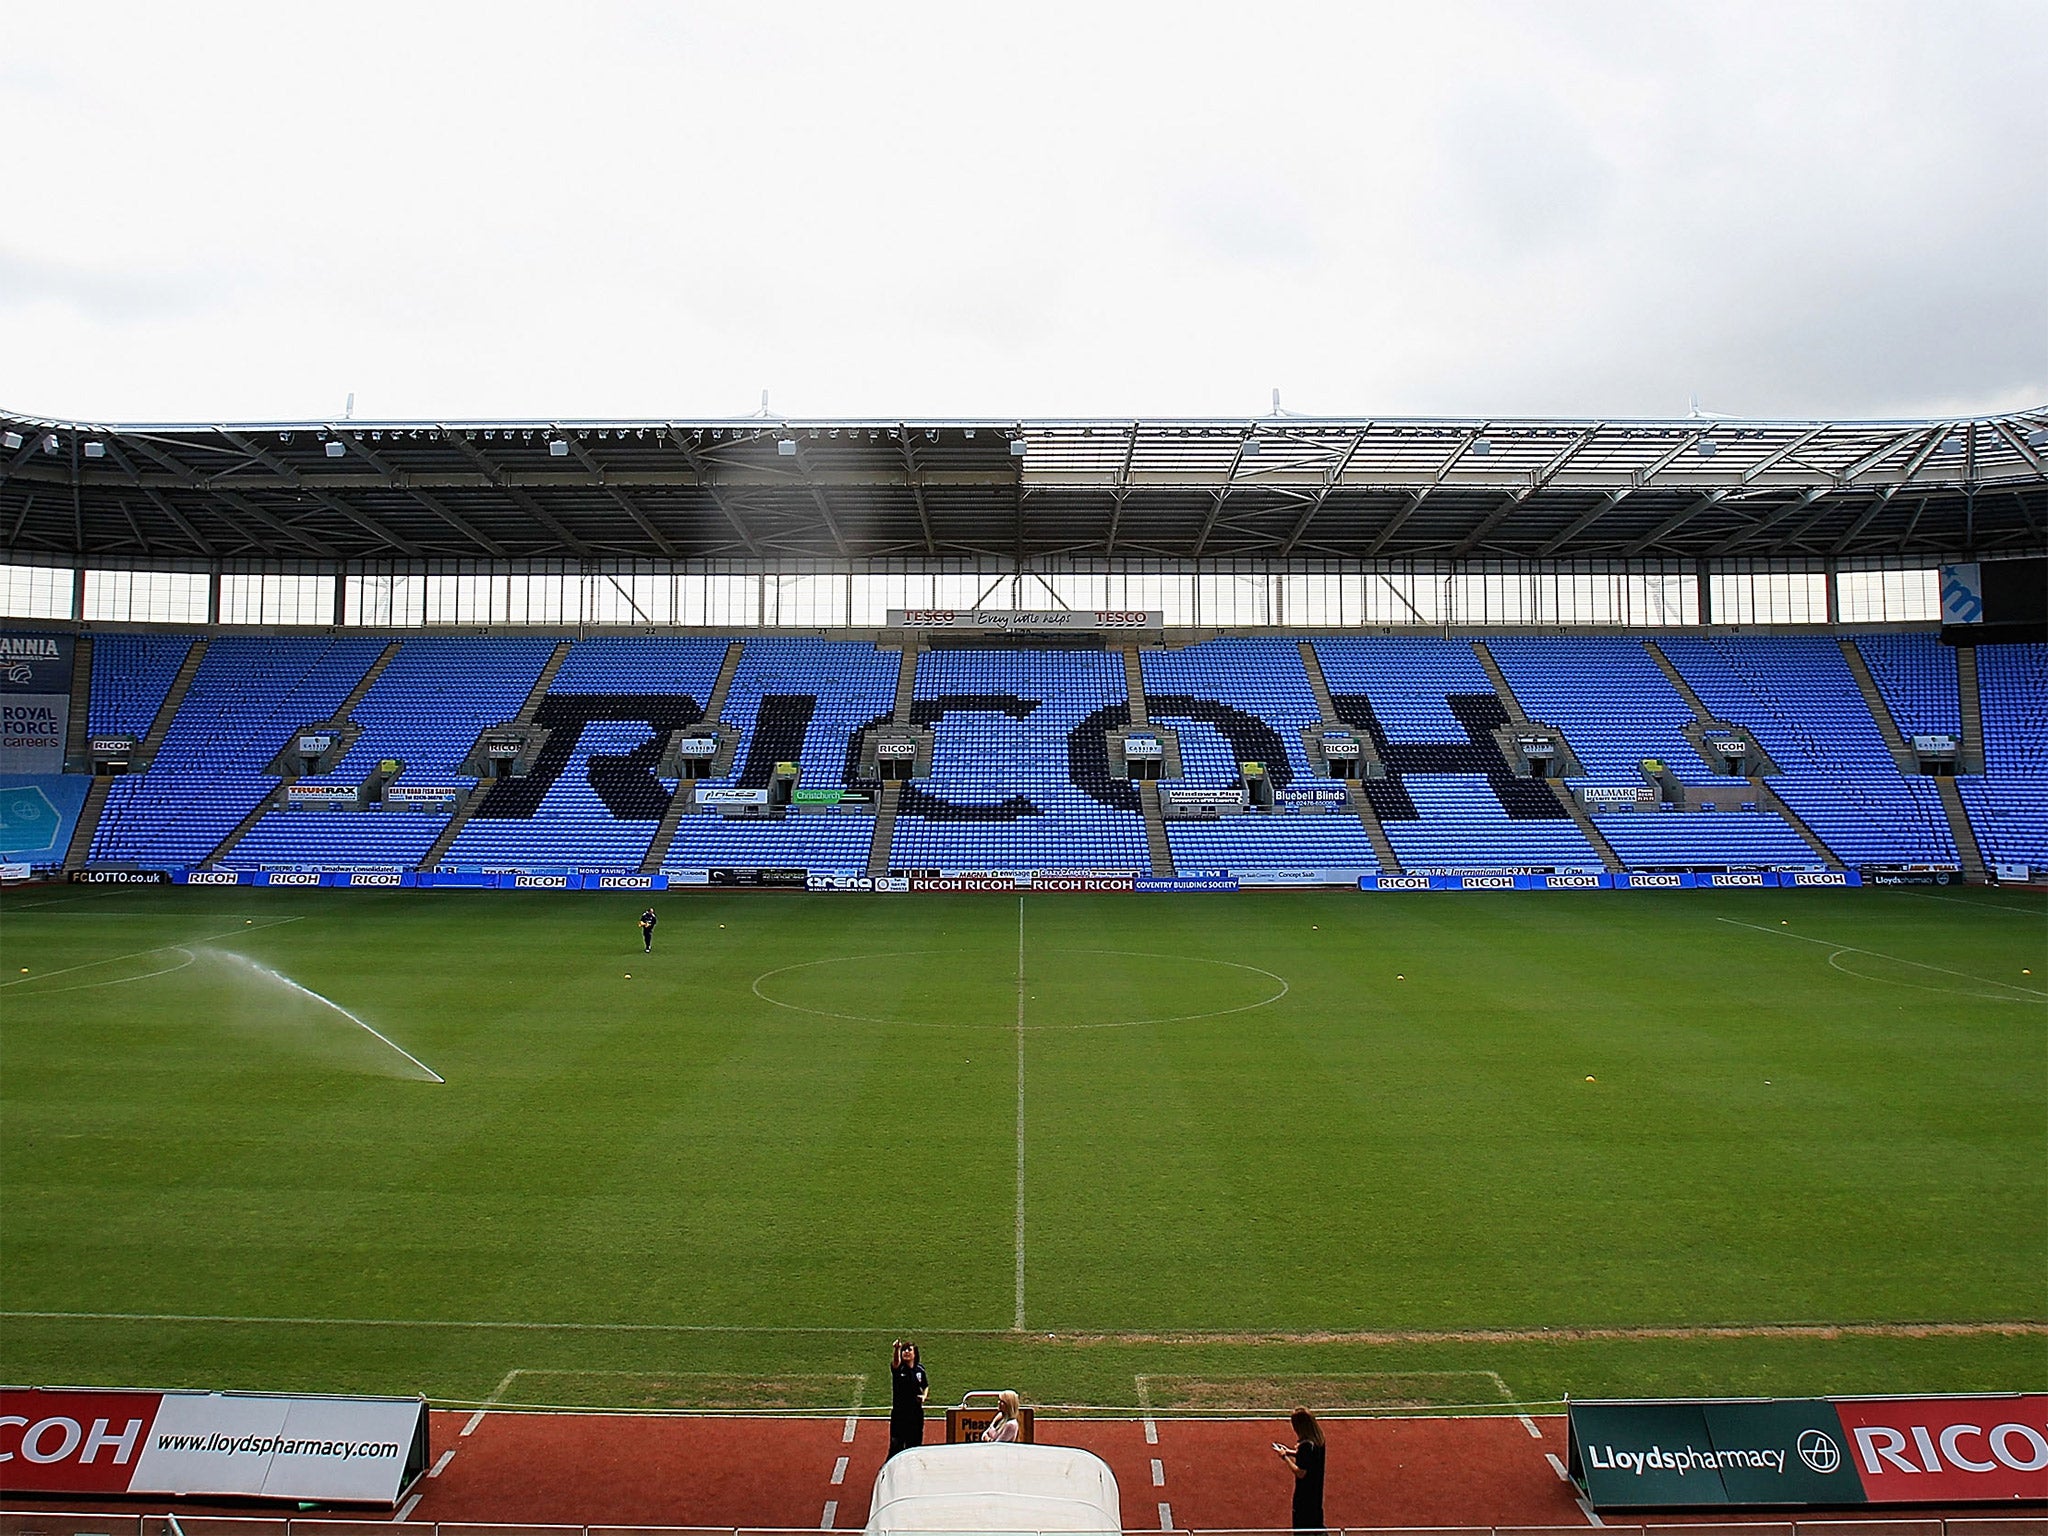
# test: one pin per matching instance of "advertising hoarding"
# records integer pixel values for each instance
(350, 1450)
(1792, 1452)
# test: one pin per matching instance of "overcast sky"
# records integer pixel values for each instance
(247, 213)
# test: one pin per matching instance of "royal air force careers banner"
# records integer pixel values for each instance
(1811, 1451)
(35, 702)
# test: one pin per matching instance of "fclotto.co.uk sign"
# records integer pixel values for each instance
(1811, 1451)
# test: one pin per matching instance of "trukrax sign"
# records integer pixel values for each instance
(1791, 1452)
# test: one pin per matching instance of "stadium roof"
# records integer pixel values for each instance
(1277, 487)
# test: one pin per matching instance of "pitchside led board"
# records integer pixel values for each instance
(1804, 1452)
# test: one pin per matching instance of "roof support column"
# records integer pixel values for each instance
(1833, 595)
(340, 598)
(78, 588)
(213, 594)
(1703, 579)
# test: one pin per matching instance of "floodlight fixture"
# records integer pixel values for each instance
(50, 443)
(557, 448)
(1018, 447)
(2038, 438)
(10, 440)
(1708, 448)
(95, 450)
(1481, 447)
(1953, 443)
(335, 449)
(786, 447)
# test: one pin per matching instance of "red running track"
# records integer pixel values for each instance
(622, 1469)
(601, 1469)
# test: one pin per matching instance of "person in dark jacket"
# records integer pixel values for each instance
(647, 921)
(908, 1388)
(1305, 1461)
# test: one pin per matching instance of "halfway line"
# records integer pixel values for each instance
(1017, 1321)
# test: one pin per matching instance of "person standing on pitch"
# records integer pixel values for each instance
(647, 921)
(1305, 1460)
(908, 1388)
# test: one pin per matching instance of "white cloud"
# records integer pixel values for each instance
(1794, 209)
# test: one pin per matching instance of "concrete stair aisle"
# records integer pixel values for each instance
(1566, 800)
(1880, 711)
(890, 797)
(1158, 847)
(1499, 679)
(78, 729)
(79, 854)
(466, 806)
(1361, 803)
(88, 822)
(906, 683)
(1700, 712)
(367, 681)
(541, 684)
(167, 711)
(274, 798)
(1970, 759)
(885, 829)
(1968, 854)
(679, 803)
(1768, 799)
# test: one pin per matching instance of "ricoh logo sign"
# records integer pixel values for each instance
(213, 877)
(625, 882)
(293, 877)
(540, 882)
(1571, 882)
(382, 877)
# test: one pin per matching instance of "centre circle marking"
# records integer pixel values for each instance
(1279, 981)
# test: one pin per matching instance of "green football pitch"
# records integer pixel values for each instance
(1201, 1151)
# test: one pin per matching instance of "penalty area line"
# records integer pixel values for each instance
(1878, 954)
(154, 949)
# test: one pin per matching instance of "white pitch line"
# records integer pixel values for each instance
(497, 1393)
(1158, 1473)
(1530, 1425)
(405, 1510)
(155, 949)
(1017, 1320)
(442, 1465)
(1856, 949)
(1165, 1516)
(831, 1514)
(852, 1424)
(839, 1471)
(1982, 906)
(1145, 1407)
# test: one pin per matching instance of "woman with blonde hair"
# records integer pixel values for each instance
(1004, 1430)
(1305, 1459)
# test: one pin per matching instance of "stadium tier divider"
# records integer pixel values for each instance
(2008, 804)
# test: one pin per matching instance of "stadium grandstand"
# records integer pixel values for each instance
(1285, 649)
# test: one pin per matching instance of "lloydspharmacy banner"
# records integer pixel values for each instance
(356, 1450)
(1783, 1452)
